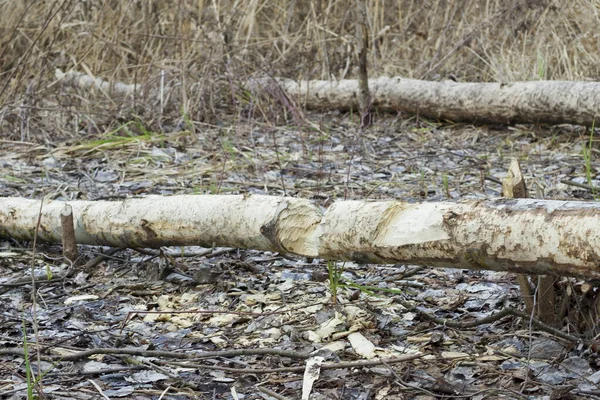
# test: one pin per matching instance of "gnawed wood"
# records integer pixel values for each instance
(513, 185)
(545, 237)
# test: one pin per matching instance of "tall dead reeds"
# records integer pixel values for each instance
(190, 56)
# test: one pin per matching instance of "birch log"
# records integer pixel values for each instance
(549, 102)
(543, 102)
(520, 235)
(83, 80)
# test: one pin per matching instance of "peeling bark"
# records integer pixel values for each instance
(83, 80)
(545, 237)
(549, 102)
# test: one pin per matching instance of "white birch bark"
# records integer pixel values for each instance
(83, 80)
(550, 102)
(520, 235)
(534, 102)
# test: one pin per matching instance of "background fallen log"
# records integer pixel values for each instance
(533, 102)
(549, 102)
(519, 235)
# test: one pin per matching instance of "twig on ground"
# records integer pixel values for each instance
(402, 275)
(165, 354)
(272, 393)
(493, 318)
(99, 258)
(99, 389)
(580, 185)
(202, 253)
(339, 365)
(95, 372)
(492, 179)
(39, 280)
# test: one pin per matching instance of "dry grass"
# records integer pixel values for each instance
(191, 57)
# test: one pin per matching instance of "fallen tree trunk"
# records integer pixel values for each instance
(547, 102)
(83, 80)
(535, 102)
(519, 235)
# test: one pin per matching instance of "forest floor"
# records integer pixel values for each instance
(229, 323)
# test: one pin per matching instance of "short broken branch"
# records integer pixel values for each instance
(68, 234)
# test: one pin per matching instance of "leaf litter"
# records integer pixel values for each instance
(223, 320)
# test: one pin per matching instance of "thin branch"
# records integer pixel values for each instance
(591, 188)
(339, 365)
(188, 355)
(493, 318)
(272, 393)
